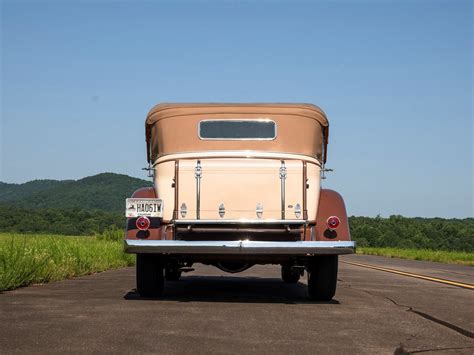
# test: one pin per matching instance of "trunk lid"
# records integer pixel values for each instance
(238, 188)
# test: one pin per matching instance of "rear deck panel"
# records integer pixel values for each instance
(239, 185)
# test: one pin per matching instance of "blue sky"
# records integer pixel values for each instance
(394, 77)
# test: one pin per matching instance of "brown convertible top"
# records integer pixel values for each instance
(167, 110)
(167, 126)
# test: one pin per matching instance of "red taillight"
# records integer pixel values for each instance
(143, 223)
(333, 222)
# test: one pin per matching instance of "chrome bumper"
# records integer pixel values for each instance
(238, 247)
(281, 222)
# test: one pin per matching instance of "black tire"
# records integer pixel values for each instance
(172, 274)
(288, 275)
(150, 280)
(322, 277)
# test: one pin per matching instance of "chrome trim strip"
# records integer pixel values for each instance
(176, 191)
(239, 221)
(198, 175)
(239, 247)
(236, 154)
(238, 120)
(305, 190)
(282, 188)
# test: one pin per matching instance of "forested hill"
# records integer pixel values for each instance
(12, 192)
(106, 192)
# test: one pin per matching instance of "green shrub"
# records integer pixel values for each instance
(414, 233)
(112, 234)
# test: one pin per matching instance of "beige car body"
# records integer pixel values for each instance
(239, 174)
(240, 184)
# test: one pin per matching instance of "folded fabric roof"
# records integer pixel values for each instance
(172, 128)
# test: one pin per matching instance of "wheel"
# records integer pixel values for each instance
(322, 277)
(288, 275)
(150, 280)
(172, 274)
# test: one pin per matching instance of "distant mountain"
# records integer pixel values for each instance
(106, 192)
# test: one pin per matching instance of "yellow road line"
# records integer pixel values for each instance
(423, 277)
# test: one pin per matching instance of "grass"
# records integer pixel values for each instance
(440, 256)
(30, 259)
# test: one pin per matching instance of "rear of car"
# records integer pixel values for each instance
(236, 185)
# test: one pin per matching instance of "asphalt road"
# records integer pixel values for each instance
(210, 311)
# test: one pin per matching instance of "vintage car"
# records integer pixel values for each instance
(237, 185)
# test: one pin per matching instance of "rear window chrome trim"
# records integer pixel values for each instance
(239, 120)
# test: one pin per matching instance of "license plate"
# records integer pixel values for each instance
(149, 207)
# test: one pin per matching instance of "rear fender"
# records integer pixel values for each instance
(331, 203)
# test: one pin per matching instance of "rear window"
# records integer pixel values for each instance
(237, 130)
